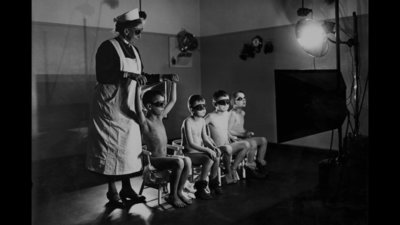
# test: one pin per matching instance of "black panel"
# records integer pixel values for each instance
(308, 102)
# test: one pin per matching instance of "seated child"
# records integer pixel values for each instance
(155, 137)
(217, 122)
(199, 148)
(236, 128)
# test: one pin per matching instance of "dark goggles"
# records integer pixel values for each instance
(199, 107)
(222, 102)
(240, 99)
(158, 104)
(137, 31)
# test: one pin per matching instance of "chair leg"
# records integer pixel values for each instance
(240, 169)
(219, 177)
(192, 175)
(165, 188)
(159, 194)
(244, 171)
(141, 188)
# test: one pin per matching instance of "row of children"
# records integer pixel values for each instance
(205, 138)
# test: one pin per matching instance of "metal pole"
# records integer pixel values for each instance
(338, 67)
(337, 35)
(357, 77)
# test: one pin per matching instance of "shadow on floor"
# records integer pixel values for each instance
(133, 213)
(307, 208)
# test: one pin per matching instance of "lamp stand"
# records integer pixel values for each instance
(355, 88)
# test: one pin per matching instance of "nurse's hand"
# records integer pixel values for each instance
(140, 79)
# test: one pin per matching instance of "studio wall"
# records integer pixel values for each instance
(62, 91)
(165, 17)
(63, 58)
(221, 68)
(227, 16)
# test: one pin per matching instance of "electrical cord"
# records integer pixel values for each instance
(365, 88)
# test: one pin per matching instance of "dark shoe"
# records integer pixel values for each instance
(262, 169)
(130, 195)
(217, 191)
(214, 187)
(201, 190)
(254, 174)
(115, 200)
(202, 194)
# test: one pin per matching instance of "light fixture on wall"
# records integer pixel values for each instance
(181, 49)
(250, 50)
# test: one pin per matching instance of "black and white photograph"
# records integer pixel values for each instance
(270, 96)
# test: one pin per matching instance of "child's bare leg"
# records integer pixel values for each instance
(251, 155)
(241, 149)
(214, 183)
(215, 167)
(227, 158)
(176, 165)
(261, 144)
(206, 162)
(205, 169)
(187, 167)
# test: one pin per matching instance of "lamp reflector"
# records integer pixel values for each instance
(312, 37)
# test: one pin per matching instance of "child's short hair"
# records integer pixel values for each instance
(218, 94)
(234, 95)
(149, 95)
(192, 99)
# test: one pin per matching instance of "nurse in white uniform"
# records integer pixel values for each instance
(114, 139)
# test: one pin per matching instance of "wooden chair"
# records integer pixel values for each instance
(241, 165)
(153, 178)
(196, 170)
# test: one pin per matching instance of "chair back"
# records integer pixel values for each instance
(152, 176)
(177, 147)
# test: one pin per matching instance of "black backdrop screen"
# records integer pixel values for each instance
(308, 102)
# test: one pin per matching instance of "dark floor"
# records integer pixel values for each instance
(288, 196)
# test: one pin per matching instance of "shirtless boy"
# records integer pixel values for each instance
(155, 137)
(236, 128)
(200, 148)
(217, 122)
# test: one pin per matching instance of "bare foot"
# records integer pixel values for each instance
(262, 162)
(189, 187)
(252, 165)
(185, 199)
(229, 179)
(176, 202)
(235, 175)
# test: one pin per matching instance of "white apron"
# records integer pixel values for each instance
(114, 140)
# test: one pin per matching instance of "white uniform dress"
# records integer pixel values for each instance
(114, 140)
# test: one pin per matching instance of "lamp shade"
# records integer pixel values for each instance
(312, 37)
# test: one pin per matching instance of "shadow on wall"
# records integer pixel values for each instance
(63, 101)
(61, 114)
(59, 143)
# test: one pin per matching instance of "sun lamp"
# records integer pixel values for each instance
(312, 37)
